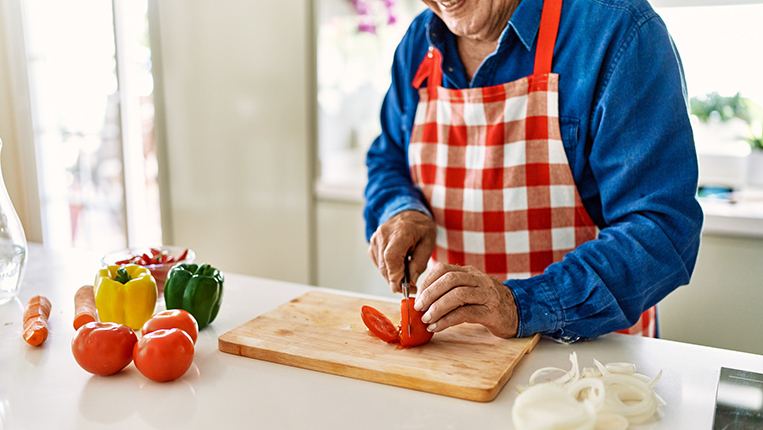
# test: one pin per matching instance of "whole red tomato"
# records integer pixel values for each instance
(164, 355)
(103, 348)
(173, 318)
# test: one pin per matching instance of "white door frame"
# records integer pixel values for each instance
(19, 156)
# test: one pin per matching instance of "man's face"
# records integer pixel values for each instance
(478, 19)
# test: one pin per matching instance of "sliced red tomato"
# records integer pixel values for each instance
(383, 328)
(419, 334)
(379, 324)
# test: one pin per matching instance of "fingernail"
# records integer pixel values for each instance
(431, 327)
(425, 318)
(418, 306)
(415, 277)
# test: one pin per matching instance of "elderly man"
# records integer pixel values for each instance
(540, 154)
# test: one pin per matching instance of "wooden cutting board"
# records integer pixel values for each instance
(324, 331)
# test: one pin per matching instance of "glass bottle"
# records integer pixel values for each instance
(13, 246)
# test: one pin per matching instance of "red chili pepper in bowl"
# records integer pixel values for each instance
(158, 260)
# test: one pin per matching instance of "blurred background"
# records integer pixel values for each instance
(239, 129)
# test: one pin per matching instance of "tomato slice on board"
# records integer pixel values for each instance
(419, 334)
(379, 324)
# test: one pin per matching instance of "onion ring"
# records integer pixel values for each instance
(610, 397)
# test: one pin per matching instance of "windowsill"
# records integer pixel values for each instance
(343, 176)
(349, 192)
(741, 218)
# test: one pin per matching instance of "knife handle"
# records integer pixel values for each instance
(406, 272)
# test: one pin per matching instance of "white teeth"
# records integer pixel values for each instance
(449, 3)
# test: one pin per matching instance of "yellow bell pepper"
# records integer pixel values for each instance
(125, 295)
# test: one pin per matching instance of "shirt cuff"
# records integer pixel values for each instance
(538, 306)
(400, 204)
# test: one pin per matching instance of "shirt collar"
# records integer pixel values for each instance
(525, 22)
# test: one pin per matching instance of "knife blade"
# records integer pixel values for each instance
(406, 284)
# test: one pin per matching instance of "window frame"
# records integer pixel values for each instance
(20, 140)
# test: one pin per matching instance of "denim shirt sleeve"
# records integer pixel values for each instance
(390, 189)
(643, 159)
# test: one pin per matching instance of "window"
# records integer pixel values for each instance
(89, 70)
(718, 45)
(356, 42)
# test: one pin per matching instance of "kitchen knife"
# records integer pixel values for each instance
(406, 284)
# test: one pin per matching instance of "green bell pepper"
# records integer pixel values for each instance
(196, 289)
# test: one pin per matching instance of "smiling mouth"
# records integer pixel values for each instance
(450, 3)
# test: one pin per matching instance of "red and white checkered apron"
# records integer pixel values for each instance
(491, 163)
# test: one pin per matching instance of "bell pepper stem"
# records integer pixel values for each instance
(122, 276)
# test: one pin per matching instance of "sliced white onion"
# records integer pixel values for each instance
(549, 406)
(575, 371)
(615, 393)
(621, 368)
(541, 372)
(656, 379)
(591, 389)
(604, 371)
(611, 421)
(630, 398)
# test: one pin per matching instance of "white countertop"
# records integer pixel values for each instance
(736, 219)
(44, 388)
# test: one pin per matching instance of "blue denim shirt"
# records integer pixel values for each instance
(625, 127)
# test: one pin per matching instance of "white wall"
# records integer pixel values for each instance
(236, 78)
(723, 304)
(343, 260)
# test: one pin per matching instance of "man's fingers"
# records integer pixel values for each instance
(475, 314)
(376, 251)
(499, 324)
(453, 298)
(434, 274)
(438, 281)
(404, 232)
(451, 295)
(394, 256)
(417, 266)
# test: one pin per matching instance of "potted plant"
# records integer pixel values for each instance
(713, 110)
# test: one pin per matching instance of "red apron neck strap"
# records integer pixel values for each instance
(429, 69)
(549, 27)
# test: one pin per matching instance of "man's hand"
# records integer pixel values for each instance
(452, 295)
(407, 232)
